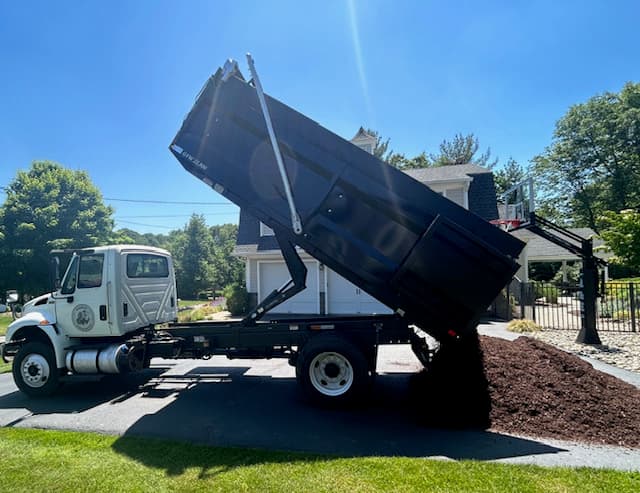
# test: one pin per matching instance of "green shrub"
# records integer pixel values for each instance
(237, 298)
(547, 291)
(523, 325)
(573, 274)
(198, 314)
(618, 308)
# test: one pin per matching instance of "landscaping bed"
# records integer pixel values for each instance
(527, 387)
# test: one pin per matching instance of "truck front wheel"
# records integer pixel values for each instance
(332, 370)
(35, 371)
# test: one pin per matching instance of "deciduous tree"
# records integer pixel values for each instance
(621, 232)
(48, 206)
(593, 163)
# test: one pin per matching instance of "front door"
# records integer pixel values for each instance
(81, 302)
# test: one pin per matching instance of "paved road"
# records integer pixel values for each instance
(255, 403)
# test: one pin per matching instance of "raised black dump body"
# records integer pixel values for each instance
(435, 263)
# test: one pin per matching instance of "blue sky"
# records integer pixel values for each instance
(103, 86)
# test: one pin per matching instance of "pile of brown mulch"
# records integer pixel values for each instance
(527, 387)
(538, 390)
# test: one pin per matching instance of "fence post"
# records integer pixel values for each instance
(632, 305)
(531, 300)
(509, 314)
(522, 299)
(589, 333)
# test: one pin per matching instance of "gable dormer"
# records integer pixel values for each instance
(364, 140)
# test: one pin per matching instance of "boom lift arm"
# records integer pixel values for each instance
(293, 286)
(583, 248)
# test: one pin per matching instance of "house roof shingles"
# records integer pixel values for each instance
(444, 173)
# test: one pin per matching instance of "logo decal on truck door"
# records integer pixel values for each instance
(83, 318)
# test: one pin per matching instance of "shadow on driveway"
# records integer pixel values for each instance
(75, 398)
(237, 410)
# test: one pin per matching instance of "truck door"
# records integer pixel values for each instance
(81, 303)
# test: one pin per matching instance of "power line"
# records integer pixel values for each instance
(144, 224)
(179, 215)
(166, 202)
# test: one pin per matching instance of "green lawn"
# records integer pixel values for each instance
(37, 460)
(5, 320)
(183, 303)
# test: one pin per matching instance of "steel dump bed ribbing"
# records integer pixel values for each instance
(434, 262)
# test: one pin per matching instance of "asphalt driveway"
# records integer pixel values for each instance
(255, 403)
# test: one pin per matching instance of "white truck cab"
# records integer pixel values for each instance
(107, 294)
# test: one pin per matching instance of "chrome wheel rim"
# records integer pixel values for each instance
(331, 374)
(35, 370)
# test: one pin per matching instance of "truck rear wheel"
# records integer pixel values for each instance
(332, 370)
(35, 371)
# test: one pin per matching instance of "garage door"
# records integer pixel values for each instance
(343, 297)
(272, 275)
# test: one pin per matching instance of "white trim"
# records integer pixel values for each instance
(244, 250)
(467, 179)
(247, 276)
(275, 261)
(326, 290)
(277, 254)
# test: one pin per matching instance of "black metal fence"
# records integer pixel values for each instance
(559, 306)
(618, 307)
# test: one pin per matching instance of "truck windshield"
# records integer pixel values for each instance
(69, 281)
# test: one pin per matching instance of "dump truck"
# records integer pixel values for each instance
(435, 264)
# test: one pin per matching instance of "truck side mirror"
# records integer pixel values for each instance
(12, 296)
(54, 272)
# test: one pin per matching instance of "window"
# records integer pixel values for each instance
(457, 195)
(90, 271)
(266, 230)
(147, 265)
(69, 282)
